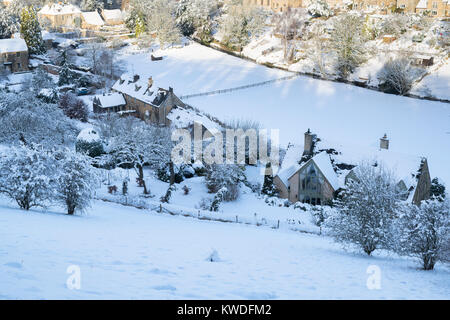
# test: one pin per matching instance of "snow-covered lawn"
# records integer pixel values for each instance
(342, 114)
(128, 253)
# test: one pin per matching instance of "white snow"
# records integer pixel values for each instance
(12, 45)
(184, 118)
(139, 89)
(88, 135)
(125, 253)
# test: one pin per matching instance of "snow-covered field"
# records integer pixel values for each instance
(125, 253)
(341, 114)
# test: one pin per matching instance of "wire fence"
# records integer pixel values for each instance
(221, 91)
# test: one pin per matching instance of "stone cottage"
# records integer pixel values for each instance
(59, 15)
(111, 102)
(13, 55)
(313, 175)
(150, 103)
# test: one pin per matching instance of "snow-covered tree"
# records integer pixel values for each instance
(366, 211)
(229, 176)
(92, 5)
(424, 231)
(161, 20)
(240, 24)
(290, 24)
(41, 80)
(140, 144)
(397, 76)
(26, 175)
(26, 118)
(65, 74)
(268, 187)
(194, 16)
(139, 28)
(31, 30)
(347, 41)
(319, 8)
(394, 24)
(9, 22)
(437, 190)
(74, 181)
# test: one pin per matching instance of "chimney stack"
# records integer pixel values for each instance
(150, 82)
(384, 142)
(309, 143)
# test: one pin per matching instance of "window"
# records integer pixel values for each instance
(434, 13)
(435, 5)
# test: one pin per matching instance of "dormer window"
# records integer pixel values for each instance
(137, 88)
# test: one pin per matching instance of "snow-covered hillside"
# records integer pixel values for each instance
(125, 253)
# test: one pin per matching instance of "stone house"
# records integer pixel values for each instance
(13, 55)
(434, 8)
(59, 15)
(275, 5)
(310, 176)
(150, 103)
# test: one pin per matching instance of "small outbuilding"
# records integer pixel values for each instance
(111, 102)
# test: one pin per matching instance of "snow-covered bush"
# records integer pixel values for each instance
(91, 5)
(225, 175)
(364, 215)
(347, 42)
(89, 143)
(218, 198)
(213, 256)
(319, 8)
(26, 175)
(397, 76)
(424, 231)
(394, 24)
(9, 20)
(437, 190)
(75, 181)
(268, 186)
(26, 118)
(73, 107)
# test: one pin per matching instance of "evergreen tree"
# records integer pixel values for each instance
(268, 187)
(437, 189)
(31, 30)
(139, 28)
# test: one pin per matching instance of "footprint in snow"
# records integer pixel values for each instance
(164, 288)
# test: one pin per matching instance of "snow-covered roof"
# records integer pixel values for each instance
(93, 18)
(323, 162)
(184, 118)
(288, 172)
(12, 45)
(139, 89)
(114, 14)
(88, 135)
(111, 100)
(59, 8)
(423, 4)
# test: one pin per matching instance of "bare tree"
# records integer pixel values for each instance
(290, 24)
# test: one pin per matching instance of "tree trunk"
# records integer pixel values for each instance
(141, 179)
(172, 173)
